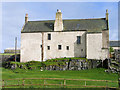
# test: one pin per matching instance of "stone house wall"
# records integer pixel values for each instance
(31, 47)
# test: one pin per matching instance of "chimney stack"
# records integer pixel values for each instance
(106, 14)
(58, 25)
(107, 19)
(26, 18)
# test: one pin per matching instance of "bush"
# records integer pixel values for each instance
(111, 49)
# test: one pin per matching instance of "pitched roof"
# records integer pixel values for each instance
(114, 43)
(92, 25)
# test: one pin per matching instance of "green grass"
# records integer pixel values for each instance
(8, 53)
(96, 74)
(66, 58)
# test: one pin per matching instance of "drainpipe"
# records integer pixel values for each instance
(15, 50)
(42, 50)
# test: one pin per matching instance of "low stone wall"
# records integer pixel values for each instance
(75, 65)
(69, 64)
(4, 58)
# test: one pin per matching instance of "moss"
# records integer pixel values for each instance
(73, 58)
(17, 63)
(50, 63)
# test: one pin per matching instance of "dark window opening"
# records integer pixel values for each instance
(81, 49)
(49, 36)
(59, 47)
(41, 46)
(67, 47)
(48, 47)
(78, 39)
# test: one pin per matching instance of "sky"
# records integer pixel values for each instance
(13, 16)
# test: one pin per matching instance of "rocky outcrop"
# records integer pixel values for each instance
(69, 64)
(114, 65)
(75, 65)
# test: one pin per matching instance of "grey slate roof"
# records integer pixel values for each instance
(92, 25)
(114, 43)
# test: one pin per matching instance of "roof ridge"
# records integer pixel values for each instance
(41, 21)
(70, 19)
(87, 19)
(114, 40)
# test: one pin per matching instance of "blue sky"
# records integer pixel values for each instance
(13, 15)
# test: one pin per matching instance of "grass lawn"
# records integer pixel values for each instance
(67, 58)
(8, 53)
(96, 74)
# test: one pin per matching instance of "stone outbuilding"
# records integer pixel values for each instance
(115, 45)
(59, 38)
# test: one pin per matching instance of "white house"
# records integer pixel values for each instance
(42, 40)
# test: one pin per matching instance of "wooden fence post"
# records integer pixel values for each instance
(3, 83)
(85, 83)
(18, 82)
(6, 83)
(106, 84)
(64, 82)
(23, 82)
(44, 82)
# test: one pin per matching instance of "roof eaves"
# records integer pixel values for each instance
(93, 32)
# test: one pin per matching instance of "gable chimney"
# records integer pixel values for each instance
(58, 25)
(26, 18)
(106, 14)
(107, 18)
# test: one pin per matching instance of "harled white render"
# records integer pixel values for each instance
(31, 47)
(64, 39)
(94, 46)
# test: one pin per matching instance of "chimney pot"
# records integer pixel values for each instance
(58, 10)
(106, 10)
(26, 15)
(26, 18)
